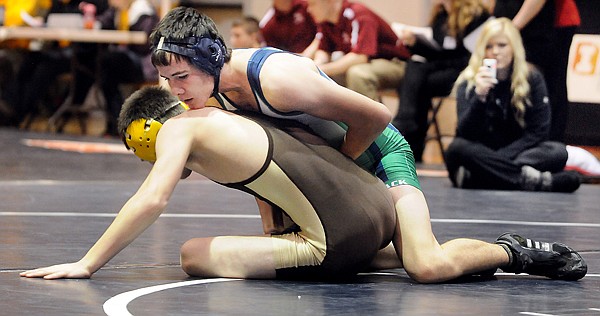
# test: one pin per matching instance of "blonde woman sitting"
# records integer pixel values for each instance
(504, 121)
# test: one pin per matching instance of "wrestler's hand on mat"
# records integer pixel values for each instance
(75, 270)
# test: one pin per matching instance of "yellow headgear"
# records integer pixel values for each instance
(140, 135)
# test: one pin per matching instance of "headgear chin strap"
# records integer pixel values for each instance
(140, 135)
(206, 53)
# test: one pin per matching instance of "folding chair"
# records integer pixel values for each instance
(436, 105)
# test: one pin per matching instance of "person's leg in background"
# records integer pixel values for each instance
(547, 156)
(542, 52)
(547, 161)
(85, 69)
(439, 83)
(37, 74)
(7, 87)
(411, 115)
(116, 68)
(370, 78)
(557, 82)
(422, 82)
(472, 165)
(476, 166)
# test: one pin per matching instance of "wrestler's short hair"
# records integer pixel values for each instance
(142, 116)
(187, 34)
(150, 102)
(180, 25)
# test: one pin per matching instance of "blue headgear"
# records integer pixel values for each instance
(206, 53)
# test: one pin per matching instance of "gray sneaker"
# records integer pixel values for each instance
(462, 176)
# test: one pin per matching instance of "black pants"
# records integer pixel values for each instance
(117, 67)
(556, 81)
(38, 71)
(490, 169)
(421, 82)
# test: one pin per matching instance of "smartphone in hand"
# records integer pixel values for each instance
(490, 64)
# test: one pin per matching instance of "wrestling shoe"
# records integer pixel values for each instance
(553, 260)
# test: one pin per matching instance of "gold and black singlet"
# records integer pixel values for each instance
(345, 215)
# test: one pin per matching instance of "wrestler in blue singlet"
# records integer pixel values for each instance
(389, 157)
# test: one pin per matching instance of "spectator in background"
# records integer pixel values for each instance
(245, 33)
(125, 63)
(545, 46)
(40, 68)
(14, 9)
(504, 122)
(370, 54)
(535, 20)
(6, 77)
(288, 26)
(443, 60)
(566, 22)
(12, 53)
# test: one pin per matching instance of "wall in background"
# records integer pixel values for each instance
(582, 125)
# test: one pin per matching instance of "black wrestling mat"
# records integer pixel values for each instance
(59, 193)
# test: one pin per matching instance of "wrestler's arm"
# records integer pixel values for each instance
(308, 91)
(140, 211)
(271, 217)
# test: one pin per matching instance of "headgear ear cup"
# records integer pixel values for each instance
(141, 134)
(206, 53)
(211, 52)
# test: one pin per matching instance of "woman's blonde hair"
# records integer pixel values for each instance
(461, 14)
(520, 69)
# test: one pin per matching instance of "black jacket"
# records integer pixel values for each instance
(493, 123)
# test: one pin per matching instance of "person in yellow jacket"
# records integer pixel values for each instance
(11, 51)
(13, 16)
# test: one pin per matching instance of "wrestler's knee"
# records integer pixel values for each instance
(421, 272)
(193, 254)
(428, 270)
